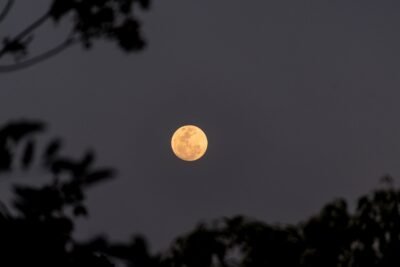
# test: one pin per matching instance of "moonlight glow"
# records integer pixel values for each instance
(189, 143)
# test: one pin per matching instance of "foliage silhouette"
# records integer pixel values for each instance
(89, 20)
(368, 237)
(38, 231)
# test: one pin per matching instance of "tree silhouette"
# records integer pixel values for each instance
(370, 236)
(89, 20)
(38, 230)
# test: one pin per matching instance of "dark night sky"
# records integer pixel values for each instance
(299, 99)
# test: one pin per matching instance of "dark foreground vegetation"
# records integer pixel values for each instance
(38, 229)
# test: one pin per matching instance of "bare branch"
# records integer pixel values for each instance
(6, 9)
(33, 26)
(39, 58)
(26, 31)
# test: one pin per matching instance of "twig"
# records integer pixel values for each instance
(6, 9)
(37, 59)
(26, 31)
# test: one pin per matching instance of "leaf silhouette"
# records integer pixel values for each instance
(86, 162)
(15, 131)
(28, 154)
(98, 176)
(64, 165)
(52, 149)
(80, 210)
(5, 159)
(60, 8)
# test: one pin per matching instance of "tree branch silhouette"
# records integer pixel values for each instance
(12, 44)
(6, 10)
(112, 20)
(39, 58)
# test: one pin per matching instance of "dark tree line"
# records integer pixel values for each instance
(38, 229)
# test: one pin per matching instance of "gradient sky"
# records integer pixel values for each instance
(299, 99)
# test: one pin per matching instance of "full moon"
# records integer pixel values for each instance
(189, 143)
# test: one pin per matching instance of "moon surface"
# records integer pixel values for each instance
(189, 143)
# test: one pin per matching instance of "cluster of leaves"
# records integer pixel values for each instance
(40, 232)
(90, 20)
(111, 19)
(69, 176)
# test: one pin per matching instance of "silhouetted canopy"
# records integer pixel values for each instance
(38, 230)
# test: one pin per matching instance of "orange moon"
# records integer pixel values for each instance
(189, 143)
